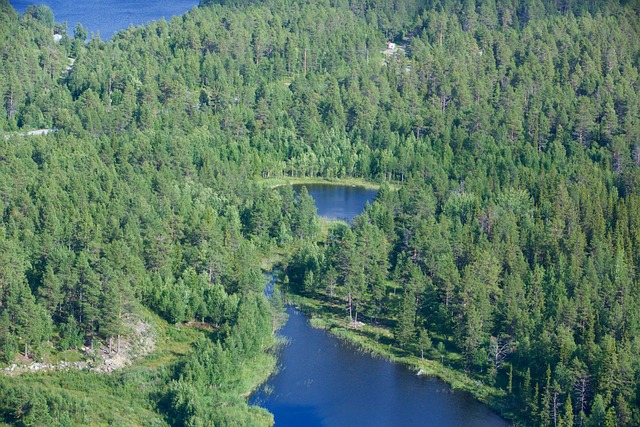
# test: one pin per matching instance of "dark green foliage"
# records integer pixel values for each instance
(41, 13)
(210, 374)
(80, 32)
(511, 129)
(304, 221)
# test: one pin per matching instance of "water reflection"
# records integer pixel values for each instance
(339, 201)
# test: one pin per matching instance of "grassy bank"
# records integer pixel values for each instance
(125, 398)
(379, 340)
(327, 225)
(254, 373)
(356, 182)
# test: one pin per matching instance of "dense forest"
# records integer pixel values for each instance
(505, 135)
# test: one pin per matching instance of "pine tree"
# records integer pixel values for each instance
(304, 216)
(598, 412)
(544, 417)
(405, 328)
(567, 417)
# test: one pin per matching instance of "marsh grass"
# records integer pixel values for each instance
(255, 372)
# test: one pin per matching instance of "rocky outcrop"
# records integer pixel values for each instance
(104, 358)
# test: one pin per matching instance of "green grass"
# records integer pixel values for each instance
(255, 372)
(270, 259)
(178, 342)
(327, 225)
(124, 398)
(356, 182)
(48, 353)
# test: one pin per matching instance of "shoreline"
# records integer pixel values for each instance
(338, 182)
(319, 318)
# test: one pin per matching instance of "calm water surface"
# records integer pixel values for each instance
(337, 201)
(109, 16)
(326, 382)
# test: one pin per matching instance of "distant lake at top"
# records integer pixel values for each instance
(109, 16)
(339, 201)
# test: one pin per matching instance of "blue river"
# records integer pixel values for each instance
(324, 381)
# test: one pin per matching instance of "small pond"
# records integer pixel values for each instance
(339, 201)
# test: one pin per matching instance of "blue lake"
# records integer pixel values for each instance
(109, 16)
(339, 201)
(324, 381)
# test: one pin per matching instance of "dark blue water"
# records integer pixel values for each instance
(326, 382)
(109, 16)
(338, 201)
